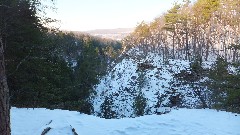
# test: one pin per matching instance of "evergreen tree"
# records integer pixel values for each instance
(139, 105)
(140, 101)
(86, 74)
(218, 83)
(233, 93)
(106, 108)
(197, 73)
(171, 19)
(225, 87)
(20, 30)
(204, 9)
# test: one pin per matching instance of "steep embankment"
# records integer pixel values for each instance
(147, 74)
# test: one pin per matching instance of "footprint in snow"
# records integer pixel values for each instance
(118, 132)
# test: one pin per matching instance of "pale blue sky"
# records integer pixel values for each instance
(81, 15)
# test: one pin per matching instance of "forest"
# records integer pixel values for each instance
(206, 30)
(45, 67)
(42, 67)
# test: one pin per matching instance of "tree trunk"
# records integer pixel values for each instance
(174, 45)
(4, 96)
(234, 54)
(187, 48)
(208, 41)
(194, 43)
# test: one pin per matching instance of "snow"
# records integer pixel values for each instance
(121, 84)
(177, 122)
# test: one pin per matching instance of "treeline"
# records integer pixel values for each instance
(206, 28)
(48, 68)
(216, 87)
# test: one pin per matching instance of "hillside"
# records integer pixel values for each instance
(116, 34)
(149, 75)
(181, 122)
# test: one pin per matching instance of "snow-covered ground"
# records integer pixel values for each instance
(177, 122)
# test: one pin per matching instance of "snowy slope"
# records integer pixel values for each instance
(121, 84)
(177, 122)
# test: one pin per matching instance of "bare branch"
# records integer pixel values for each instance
(5, 6)
(19, 64)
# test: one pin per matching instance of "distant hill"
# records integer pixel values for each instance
(111, 31)
(116, 34)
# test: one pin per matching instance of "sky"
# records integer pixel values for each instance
(83, 15)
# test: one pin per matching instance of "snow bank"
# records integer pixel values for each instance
(177, 122)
